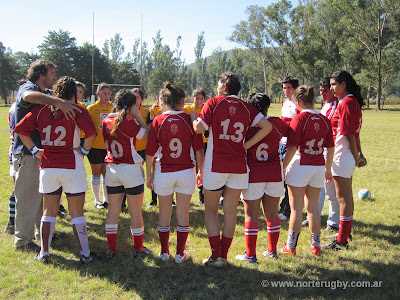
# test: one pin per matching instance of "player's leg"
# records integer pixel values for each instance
(314, 218)
(164, 220)
(182, 230)
(115, 196)
(270, 209)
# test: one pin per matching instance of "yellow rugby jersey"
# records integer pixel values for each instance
(83, 105)
(140, 144)
(154, 111)
(187, 109)
(98, 113)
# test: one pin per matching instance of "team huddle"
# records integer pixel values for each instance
(227, 147)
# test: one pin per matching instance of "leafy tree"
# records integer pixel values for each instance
(59, 48)
(201, 77)
(8, 72)
(117, 49)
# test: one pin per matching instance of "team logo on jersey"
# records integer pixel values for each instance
(174, 129)
(316, 127)
(232, 110)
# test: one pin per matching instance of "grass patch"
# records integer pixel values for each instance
(373, 256)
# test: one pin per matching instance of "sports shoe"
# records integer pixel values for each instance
(244, 257)
(62, 212)
(9, 228)
(282, 217)
(30, 247)
(99, 206)
(110, 255)
(141, 254)
(201, 199)
(43, 259)
(217, 263)
(271, 255)
(180, 259)
(330, 229)
(164, 256)
(304, 223)
(285, 250)
(153, 203)
(105, 204)
(335, 245)
(173, 203)
(87, 259)
(316, 250)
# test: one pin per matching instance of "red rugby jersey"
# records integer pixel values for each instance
(121, 149)
(263, 158)
(173, 140)
(311, 132)
(227, 118)
(59, 136)
(346, 120)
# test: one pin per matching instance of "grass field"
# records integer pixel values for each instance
(373, 257)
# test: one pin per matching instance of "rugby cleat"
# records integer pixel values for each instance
(316, 250)
(217, 263)
(287, 251)
(335, 245)
(244, 257)
(181, 258)
(270, 255)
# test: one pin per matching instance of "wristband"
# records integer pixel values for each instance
(34, 150)
(84, 151)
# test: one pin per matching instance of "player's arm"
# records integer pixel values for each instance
(328, 164)
(362, 162)
(197, 124)
(149, 171)
(136, 114)
(291, 150)
(66, 106)
(28, 142)
(199, 165)
(265, 128)
(351, 139)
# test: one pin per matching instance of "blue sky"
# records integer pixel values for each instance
(24, 24)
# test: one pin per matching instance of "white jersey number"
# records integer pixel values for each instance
(116, 149)
(60, 130)
(176, 147)
(262, 153)
(237, 137)
(310, 149)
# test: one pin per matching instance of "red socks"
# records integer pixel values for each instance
(215, 244)
(225, 245)
(182, 233)
(344, 229)
(111, 233)
(163, 235)
(251, 232)
(274, 229)
(137, 238)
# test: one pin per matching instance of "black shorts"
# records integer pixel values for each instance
(142, 153)
(97, 156)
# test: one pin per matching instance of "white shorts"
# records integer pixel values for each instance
(72, 181)
(299, 176)
(257, 190)
(128, 175)
(183, 182)
(343, 165)
(213, 181)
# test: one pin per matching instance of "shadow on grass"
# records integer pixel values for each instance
(149, 278)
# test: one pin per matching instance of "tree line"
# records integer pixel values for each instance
(309, 41)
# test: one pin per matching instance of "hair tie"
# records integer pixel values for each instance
(116, 106)
(125, 107)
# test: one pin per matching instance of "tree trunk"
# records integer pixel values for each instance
(368, 94)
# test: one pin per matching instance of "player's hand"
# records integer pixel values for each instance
(362, 162)
(328, 175)
(39, 154)
(199, 179)
(68, 108)
(150, 182)
(135, 111)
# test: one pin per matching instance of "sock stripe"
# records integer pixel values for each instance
(182, 228)
(163, 228)
(276, 230)
(273, 227)
(137, 231)
(345, 218)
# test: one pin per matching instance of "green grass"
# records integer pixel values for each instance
(374, 253)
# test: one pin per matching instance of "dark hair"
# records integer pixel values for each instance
(232, 82)
(82, 85)
(292, 80)
(37, 68)
(65, 88)
(326, 81)
(124, 100)
(200, 91)
(351, 86)
(139, 91)
(305, 93)
(260, 101)
(102, 86)
(172, 95)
